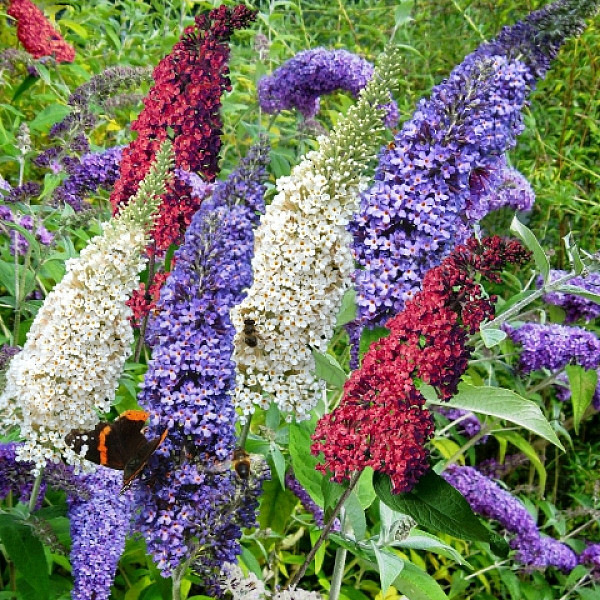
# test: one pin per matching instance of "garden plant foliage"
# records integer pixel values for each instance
(299, 300)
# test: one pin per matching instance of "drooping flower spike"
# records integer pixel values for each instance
(381, 421)
(183, 105)
(36, 33)
(488, 499)
(301, 81)
(192, 501)
(65, 376)
(446, 168)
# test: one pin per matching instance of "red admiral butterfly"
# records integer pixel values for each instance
(119, 445)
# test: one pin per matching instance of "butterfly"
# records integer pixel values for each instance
(118, 445)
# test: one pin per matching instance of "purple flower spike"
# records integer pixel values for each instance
(590, 557)
(15, 476)
(193, 500)
(448, 159)
(95, 170)
(489, 500)
(576, 307)
(100, 523)
(300, 82)
(555, 346)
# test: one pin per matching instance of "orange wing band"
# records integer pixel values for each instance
(135, 415)
(102, 449)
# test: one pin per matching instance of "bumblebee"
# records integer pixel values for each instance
(250, 337)
(241, 463)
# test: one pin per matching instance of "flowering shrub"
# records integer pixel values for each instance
(296, 292)
(36, 34)
(84, 361)
(183, 105)
(242, 355)
(381, 421)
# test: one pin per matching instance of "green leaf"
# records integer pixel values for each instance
(416, 584)
(276, 506)
(365, 492)
(278, 463)
(492, 337)
(280, 165)
(526, 448)
(328, 369)
(527, 237)
(420, 540)
(303, 462)
(75, 27)
(356, 516)
(371, 335)
(272, 417)
(7, 279)
(49, 116)
(583, 386)
(136, 589)
(390, 566)
(27, 554)
(250, 561)
(434, 503)
(498, 402)
(347, 309)
(574, 289)
(24, 86)
(320, 555)
(573, 253)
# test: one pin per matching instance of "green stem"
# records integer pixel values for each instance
(309, 557)
(35, 492)
(244, 433)
(516, 308)
(338, 568)
(464, 448)
(177, 577)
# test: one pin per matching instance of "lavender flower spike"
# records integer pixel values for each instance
(489, 500)
(99, 526)
(193, 500)
(426, 192)
(555, 346)
(95, 170)
(300, 82)
(576, 307)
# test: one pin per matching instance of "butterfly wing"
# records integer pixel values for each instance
(138, 460)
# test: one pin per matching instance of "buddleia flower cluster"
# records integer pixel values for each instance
(435, 181)
(183, 105)
(95, 170)
(99, 521)
(69, 369)
(301, 81)
(488, 499)
(36, 33)
(553, 346)
(575, 307)
(381, 421)
(194, 504)
(292, 304)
